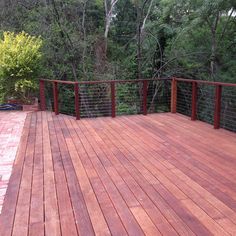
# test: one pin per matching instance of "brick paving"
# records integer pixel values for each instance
(11, 125)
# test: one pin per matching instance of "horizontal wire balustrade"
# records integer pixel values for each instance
(212, 102)
(106, 98)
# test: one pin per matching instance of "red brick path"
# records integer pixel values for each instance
(11, 124)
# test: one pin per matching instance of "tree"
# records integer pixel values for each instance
(201, 44)
(129, 39)
(143, 8)
(216, 14)
(109, 11)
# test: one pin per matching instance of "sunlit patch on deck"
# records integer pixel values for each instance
(11, 124)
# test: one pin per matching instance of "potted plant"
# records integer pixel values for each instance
(26, 92)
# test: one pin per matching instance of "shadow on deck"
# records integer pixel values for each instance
(160, 174)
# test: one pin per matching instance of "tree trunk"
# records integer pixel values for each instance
(213, 55)
(139, 49)
(213, 63)
(109, 8)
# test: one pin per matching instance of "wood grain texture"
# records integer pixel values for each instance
(160, 174)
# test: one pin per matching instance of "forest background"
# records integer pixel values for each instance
(84, 40)
(129, 39)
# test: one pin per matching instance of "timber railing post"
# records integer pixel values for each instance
(113, 100)
(42, 95)
(145, 88)
(218, 94)
(173, 95)
(194, 101)
(76, 91)
(55, 98)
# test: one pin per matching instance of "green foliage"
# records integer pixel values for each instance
(176, 41)
(25, 89)
(125, 108)
(19, 64)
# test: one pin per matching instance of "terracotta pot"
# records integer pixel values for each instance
(31, 107)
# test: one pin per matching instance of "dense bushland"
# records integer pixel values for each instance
(129, 39)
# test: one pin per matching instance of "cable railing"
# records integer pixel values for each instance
(211, 102)
(105, 98)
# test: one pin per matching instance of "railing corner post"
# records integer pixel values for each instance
(77, 108)
(42, 95)
(113, 100)
(218, 94)
(145, 90)
(173, 95)
(194, 101)
(55, 97)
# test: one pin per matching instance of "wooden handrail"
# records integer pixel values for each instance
(206, 82)
(76, 92)
(174, 99)
(105, 81)
(195, 83)
(59, 81)
(141, 80)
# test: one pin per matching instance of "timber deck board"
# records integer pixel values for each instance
(160, 174)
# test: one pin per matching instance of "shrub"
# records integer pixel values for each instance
(25, 89)
(20, 58)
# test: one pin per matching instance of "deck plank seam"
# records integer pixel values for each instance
(131, 189)
(67, 178)
(56, 158)
(130, 207)
(89, 182)
(135, 168)
(103, 186)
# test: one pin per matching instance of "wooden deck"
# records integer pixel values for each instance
(160, 174)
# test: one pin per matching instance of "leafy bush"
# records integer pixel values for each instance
(20, 58)
(25, 89)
